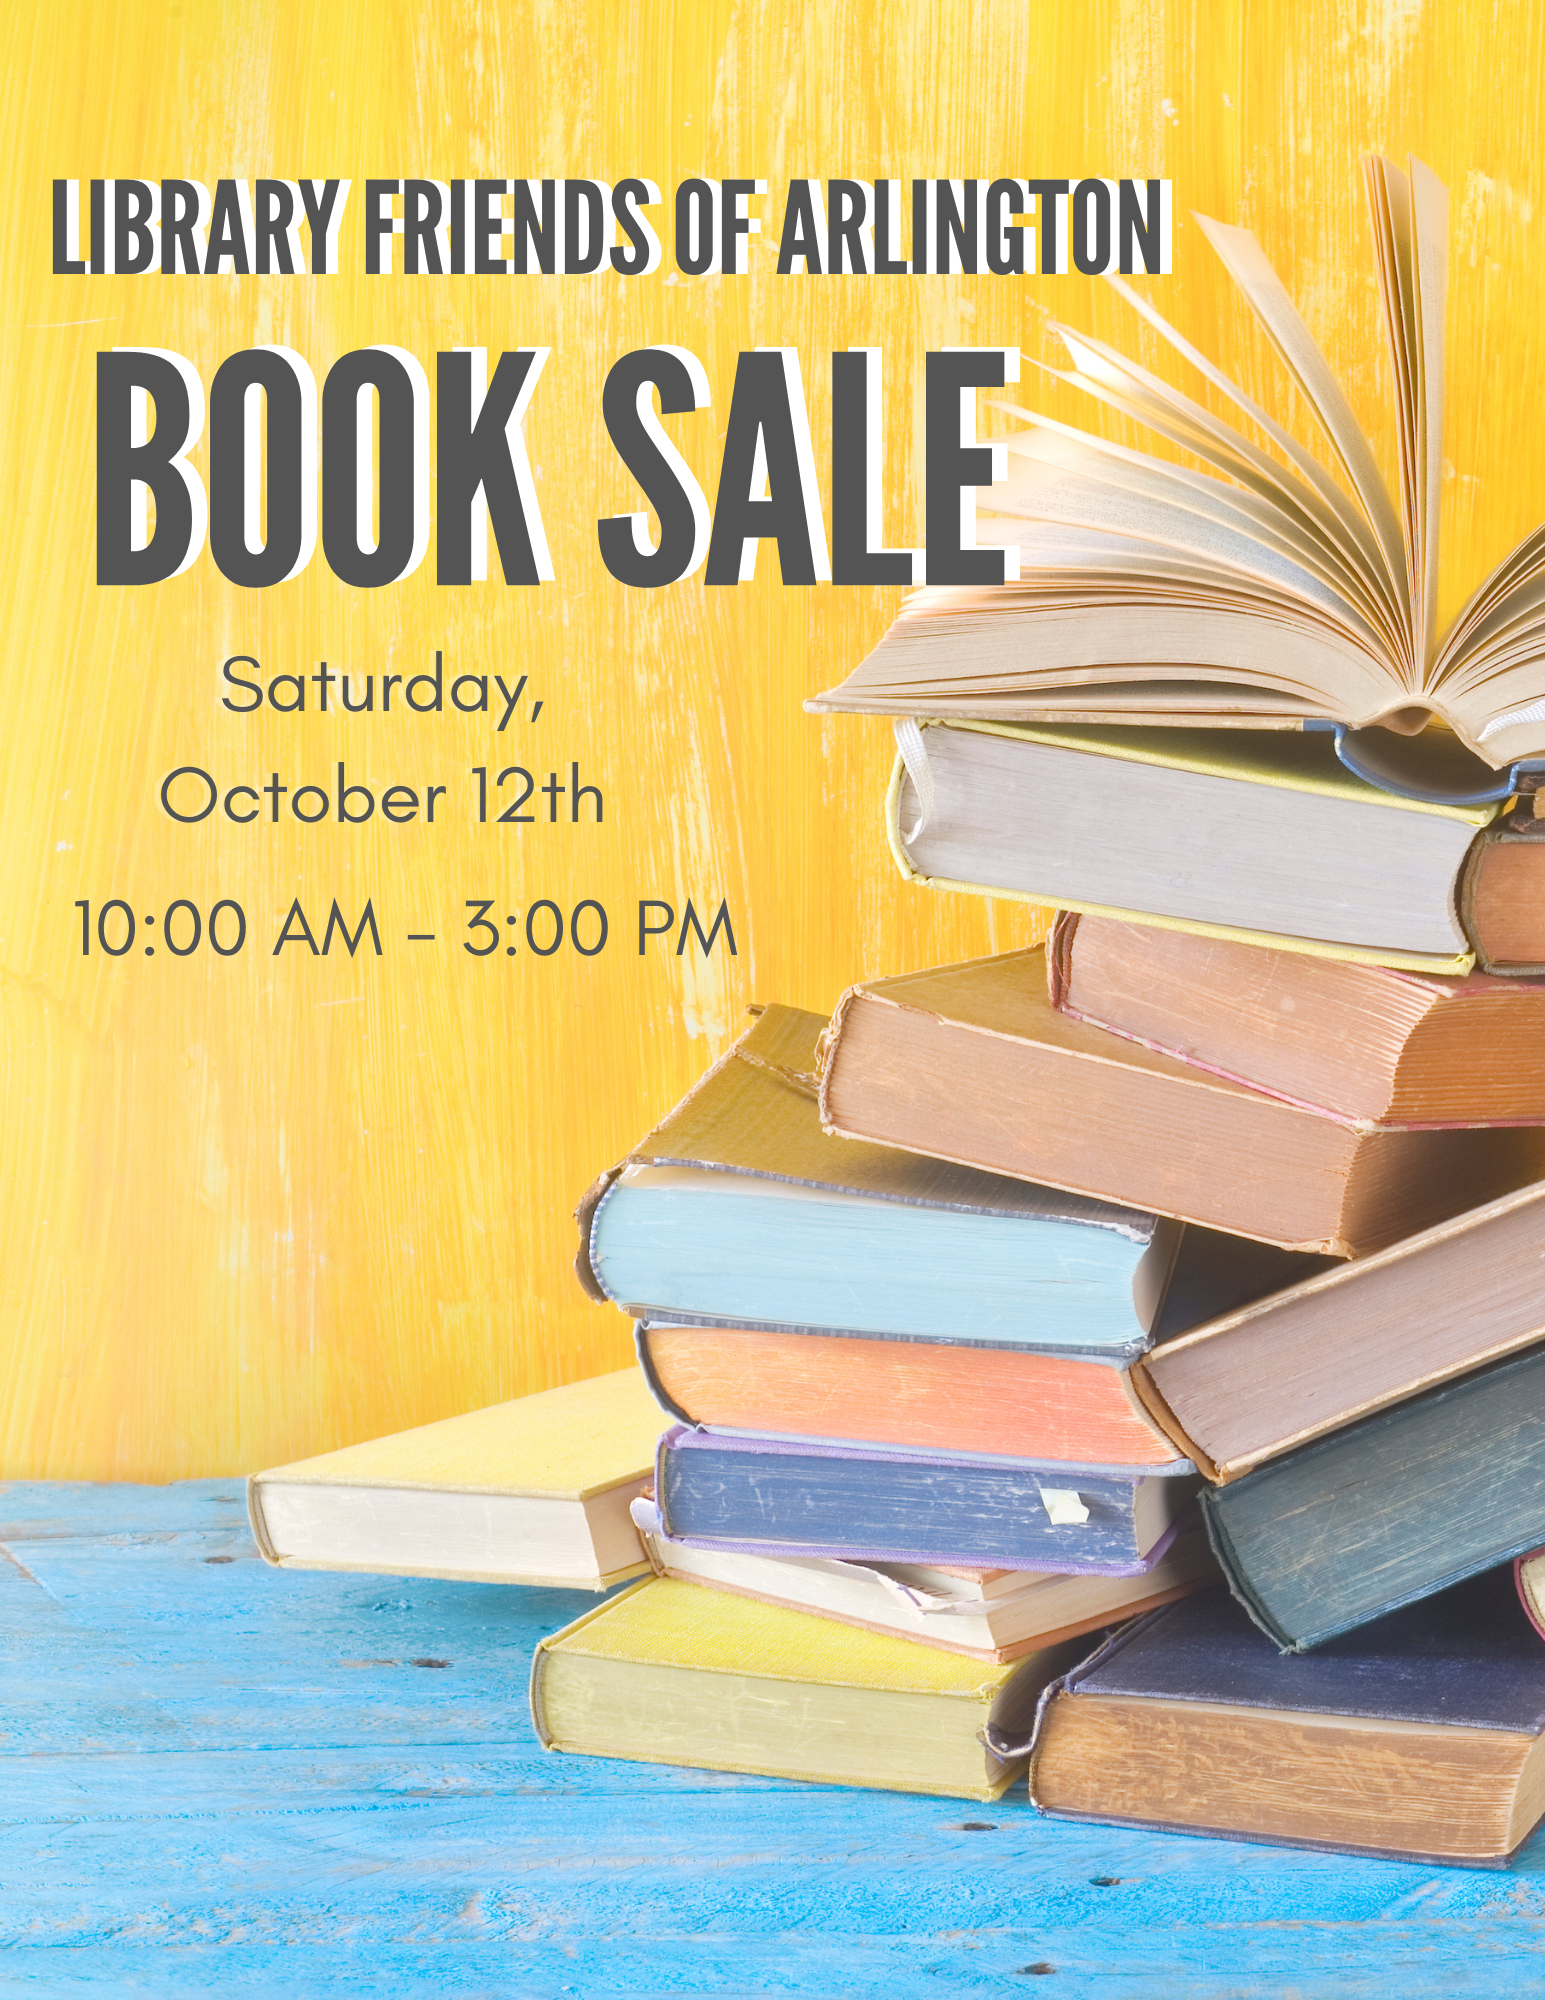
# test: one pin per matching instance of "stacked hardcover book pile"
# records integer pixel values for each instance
(1122, 1360)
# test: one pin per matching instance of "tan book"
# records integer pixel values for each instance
(1258, 1383)
(1254, 583)
(536, 1491)
(1361, 1043)
(669, 1674)
(973, 1063)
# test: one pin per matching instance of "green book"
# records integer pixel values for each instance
(1390, 1510)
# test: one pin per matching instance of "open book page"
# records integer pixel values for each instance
(1354, 526)
(1059, 474)
(1429, 217)
(1260, 509)
(1256, 589)
(1295, 347)
(1410, 230)
(1344, 541)
(1488, 674)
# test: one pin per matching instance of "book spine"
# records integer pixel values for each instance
(652, 1379)
(1465, 903)
(585, 1215)
(1238, 1581)
(1390, 1510)
(1164, 1420)
(1064, 1684)
(258, 1523)
(539, 1659)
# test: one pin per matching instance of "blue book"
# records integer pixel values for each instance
(739, 1210)
(1422, 1735)
(1389, 1510)
(764, 1496)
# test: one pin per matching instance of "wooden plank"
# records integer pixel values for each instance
(199, 1792)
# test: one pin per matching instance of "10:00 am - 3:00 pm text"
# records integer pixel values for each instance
(539, 929)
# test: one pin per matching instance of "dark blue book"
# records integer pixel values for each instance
(1419, 1735)
(765, 1496)
(1389, 1510)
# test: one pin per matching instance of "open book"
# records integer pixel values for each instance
(1267, 592)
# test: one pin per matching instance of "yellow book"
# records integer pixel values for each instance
(536, 1491)
(668, 1673)
(1257, 837)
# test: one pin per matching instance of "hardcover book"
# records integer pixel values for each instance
(536, 1491)
(918, 1396)
(768, 1497)
(1255, 1384)
(973, 1063)
(987, 1614)
(738, 1208)
(1422, 1736)
(970, 1393)
(1390, 1510)
(1359, 1042)
(668, 1674)
(1256, 590)
(1232, 834)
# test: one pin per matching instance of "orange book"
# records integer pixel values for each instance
(993, 1401)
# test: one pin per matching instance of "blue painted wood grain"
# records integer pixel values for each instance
(217, 1778)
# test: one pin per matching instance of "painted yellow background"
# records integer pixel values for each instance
(256, 1208)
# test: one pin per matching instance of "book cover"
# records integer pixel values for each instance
(1420, 1735)
(1362, 1043)
(974, 1063)
(1390, 1510)
(983, 808)
(533, 1491)
(768, 1496)
(668, 1673)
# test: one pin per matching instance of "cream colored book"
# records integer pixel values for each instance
(669, 1674)
(1272, 587)
(536, 1491)
(1236, 835)
(985, 1614)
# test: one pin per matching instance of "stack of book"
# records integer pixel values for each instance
(1122, 1360)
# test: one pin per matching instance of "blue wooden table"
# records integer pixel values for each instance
(221, 1779)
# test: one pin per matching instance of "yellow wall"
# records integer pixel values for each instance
(260, 1207)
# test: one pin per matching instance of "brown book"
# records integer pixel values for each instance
(972, 1063)
(1502, 898)
(1323, 1354)
(1362, 1043)
(1422, 1735)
